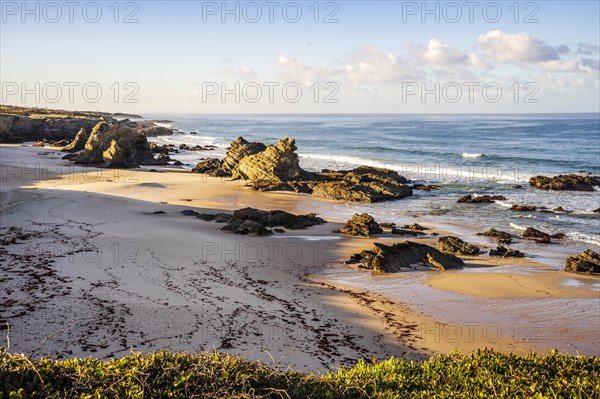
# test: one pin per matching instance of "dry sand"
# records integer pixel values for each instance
(89, 269)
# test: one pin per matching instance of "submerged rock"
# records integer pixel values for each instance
(480, 199)
(405, 256)
(570, 182)
(501, 236)
(587, 262)
(414, 226)
(361, 225)
(455, 245)
(523, 208)
(506, 252)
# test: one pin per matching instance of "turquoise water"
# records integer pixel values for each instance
(464, 153)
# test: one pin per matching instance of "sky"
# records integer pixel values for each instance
(302, 57)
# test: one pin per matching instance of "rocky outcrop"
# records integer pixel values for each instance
(277, 163)
(361, 225)
(20, 128)
(506, 252)
(78, 143)
(480, 199)
(501, 236)
(523, 208)
(238, 150)
(587, 262)
(127, 146)
(454, 245)
(414, 226)
(572, 182)
(276, 168)
(406, 232)
(405, 256)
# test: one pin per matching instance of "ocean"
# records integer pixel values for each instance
(483, 154)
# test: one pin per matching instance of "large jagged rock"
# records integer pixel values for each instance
(501, 236)
(570, 182)
(405, 256)
(114, 156)
(79, 143)
(587, 262)
(454, 245)
(537, 235)
(131, 147)
(238, 150)
(361, 225)
(277, 163)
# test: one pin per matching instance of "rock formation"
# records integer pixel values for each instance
(454, 245)
(570, 182)
(78, 143)
(405, 256)
(115, 147)
(276, 168)
(523, 208)
(361, 225)
(587, 262)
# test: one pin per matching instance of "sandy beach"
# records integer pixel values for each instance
(92, 269)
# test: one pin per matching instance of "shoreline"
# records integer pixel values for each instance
(120, 213)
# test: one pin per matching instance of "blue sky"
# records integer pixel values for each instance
(373, 57)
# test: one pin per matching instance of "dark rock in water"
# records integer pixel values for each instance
(500, 236)
(277, 230)
(189, 212)
(523, 208)
(425, 187)
(151, 170)
(539, 236)
(210, 166)
(387, 225)
(361, 225)
(194, 133)
(247, 227)
(159, 149)
(216, 217)
(455, 245)
(559, 236)
(115, 147)
(238, 150)
(159, 213)
(597, 210)
(587, 262)
(561, 209)
(405, 256)
(177, 163)
(277, 163)
(506, 252)
(60, 143)
(149, 129)
(414, 226)
(518, 186)
(79, 143)
(570, 182)
(480, 199)
(406, 232)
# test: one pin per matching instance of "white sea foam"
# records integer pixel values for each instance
(468, 155)
(163, 124)
(585, 238)
(518, 227)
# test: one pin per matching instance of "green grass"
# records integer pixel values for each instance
(486, 374)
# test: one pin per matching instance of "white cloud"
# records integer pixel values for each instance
(242, 72)
(440, 53)
(479, 62)
(560, 66)
(370, 65)
(516, 47)
(296, 71)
